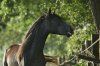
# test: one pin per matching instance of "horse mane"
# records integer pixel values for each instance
(35, 25)
(13, 45)
(32, 31)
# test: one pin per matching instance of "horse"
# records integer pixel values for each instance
(14, 48)
(30, 50)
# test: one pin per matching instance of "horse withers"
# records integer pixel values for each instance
(30, 52)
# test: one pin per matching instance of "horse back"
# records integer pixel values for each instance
(9, 58)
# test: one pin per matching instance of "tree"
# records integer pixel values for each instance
(16, 16)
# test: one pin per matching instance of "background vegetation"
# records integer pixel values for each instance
(16, 16)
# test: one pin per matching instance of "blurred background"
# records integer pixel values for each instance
(16, 17)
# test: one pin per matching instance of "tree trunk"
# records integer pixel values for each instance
(96, 11)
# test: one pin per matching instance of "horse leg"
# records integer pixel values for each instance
(4, 59)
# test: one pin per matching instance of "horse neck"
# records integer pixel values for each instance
(35, 43)
(39, 40)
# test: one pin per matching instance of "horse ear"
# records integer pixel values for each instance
(49, 11)
(44, 13)
(54, 12)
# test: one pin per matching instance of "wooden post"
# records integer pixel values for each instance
(88, 43)
(59, 60)
(90, 64)
(64, 60)
(83, 48)
(87, 58)
(95, 47)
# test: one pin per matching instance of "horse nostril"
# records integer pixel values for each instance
(69, 33)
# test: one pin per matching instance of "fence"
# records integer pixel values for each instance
(92, 54)
(89, 52)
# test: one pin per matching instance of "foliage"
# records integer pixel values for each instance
(16, 16)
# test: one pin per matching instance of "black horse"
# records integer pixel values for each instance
(30, 52)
